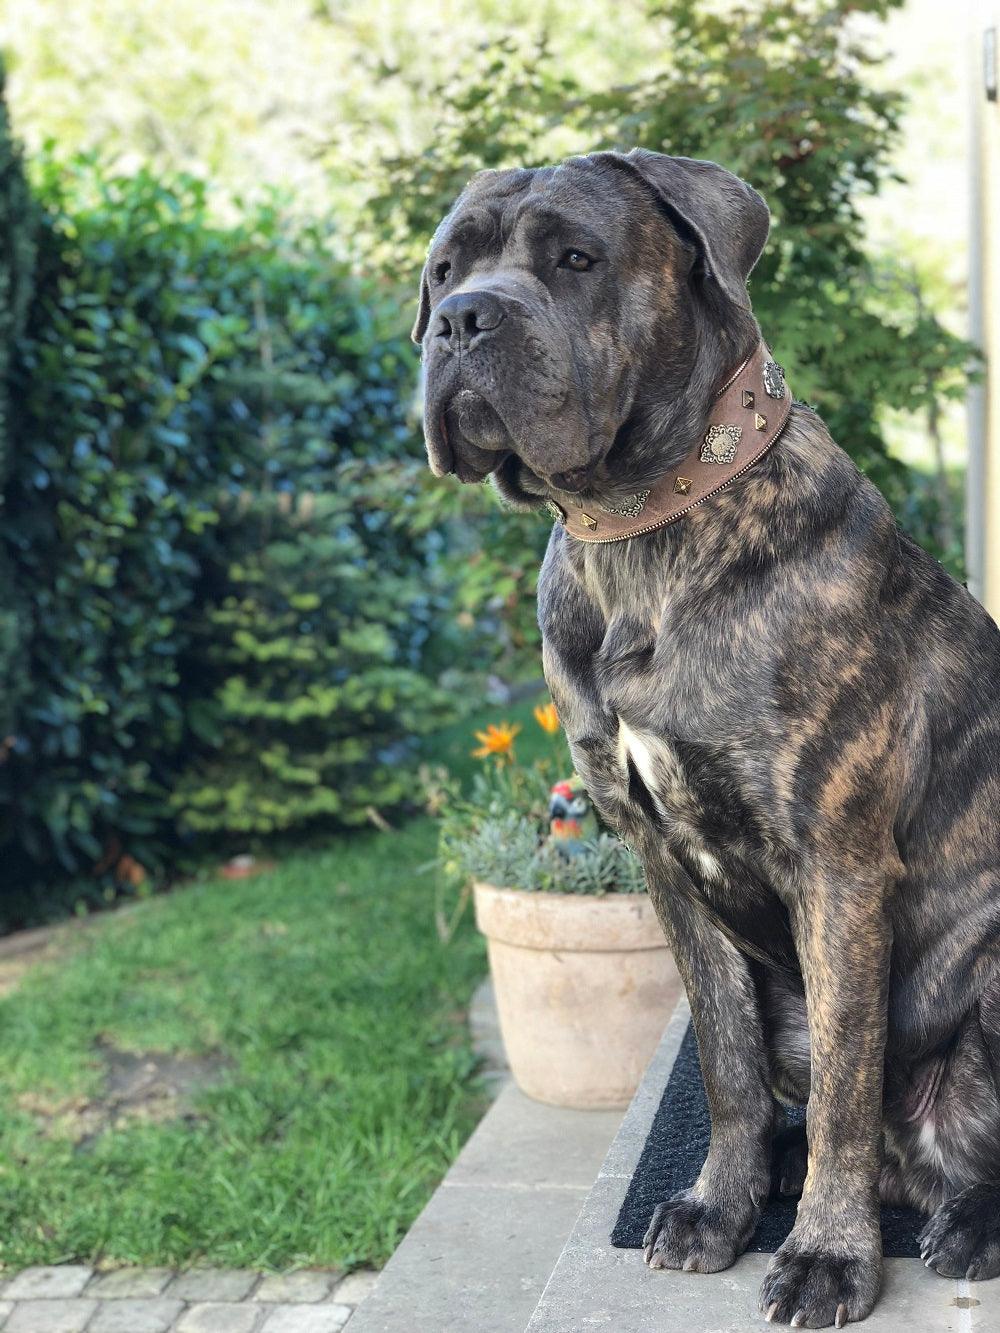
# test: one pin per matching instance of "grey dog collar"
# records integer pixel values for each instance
(748, 415)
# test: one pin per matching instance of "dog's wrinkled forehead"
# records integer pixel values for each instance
(618, 199)
(579, 200)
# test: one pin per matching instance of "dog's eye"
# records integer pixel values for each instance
(441, 271)
(577, 260)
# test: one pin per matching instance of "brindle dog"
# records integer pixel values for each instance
(787, 708)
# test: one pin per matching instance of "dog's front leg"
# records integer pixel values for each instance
(705, 1228)
(828, 1270)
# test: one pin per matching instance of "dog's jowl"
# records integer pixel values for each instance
(786, 707)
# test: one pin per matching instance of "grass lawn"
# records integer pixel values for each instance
(321, 1025)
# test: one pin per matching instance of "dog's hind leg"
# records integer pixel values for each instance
(945, 1135)
(789, 1162)
(962, 1238)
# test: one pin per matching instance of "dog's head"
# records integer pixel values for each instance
(564, 311)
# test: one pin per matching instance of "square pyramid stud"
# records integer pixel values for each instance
(588, 521)
(748, 398)
(682, 485)
(759, 421)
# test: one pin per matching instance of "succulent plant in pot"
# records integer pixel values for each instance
(584, 978)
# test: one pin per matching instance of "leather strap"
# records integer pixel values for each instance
(748, 415)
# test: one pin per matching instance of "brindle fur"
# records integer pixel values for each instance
(785, 706)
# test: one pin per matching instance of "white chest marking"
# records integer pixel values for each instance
(661, 772)
(631, 745)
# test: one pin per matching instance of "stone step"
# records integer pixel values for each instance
(478, 1256)
(594, 1286)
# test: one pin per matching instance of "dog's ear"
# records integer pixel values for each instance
(423, 309)
(727, 220)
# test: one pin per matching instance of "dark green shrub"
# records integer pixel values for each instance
(178, 383)
(305, 637)
(18, 218)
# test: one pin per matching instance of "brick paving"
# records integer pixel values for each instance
(71, 1298)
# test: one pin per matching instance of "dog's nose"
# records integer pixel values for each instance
(462, 318)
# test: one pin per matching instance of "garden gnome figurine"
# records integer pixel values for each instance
(568, 807)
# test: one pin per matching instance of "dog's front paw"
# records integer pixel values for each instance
(689, 1233)
(789, 1162)
(813, 1288)
(962, 1239)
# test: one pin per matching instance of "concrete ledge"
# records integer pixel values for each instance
(479, 1254)
(595, 1286)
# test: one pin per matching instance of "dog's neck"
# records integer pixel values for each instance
(747, 415)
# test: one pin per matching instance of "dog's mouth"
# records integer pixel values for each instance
(465, 436)
(475, 421)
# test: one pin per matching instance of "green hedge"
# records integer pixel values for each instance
(18, 218)
(226, 636)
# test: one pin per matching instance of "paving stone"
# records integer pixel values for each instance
(306, 1319)
(211, 1284)
(54, 1283)
(125, 1316)
(220, 1317)
(354, 1289)
(308, 1284)
(130, 1284)
(522, 1142)
(476, 1259)
(68, 1316)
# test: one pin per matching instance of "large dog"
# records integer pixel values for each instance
(788, 709)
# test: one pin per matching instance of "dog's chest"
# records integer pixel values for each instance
(653, 699)
(681, 789)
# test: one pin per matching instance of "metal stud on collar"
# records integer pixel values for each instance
(630, 507)
(774, 379)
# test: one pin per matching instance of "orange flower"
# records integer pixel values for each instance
(498, 740)
(547, 717)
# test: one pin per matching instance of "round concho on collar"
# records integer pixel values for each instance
(721, 443)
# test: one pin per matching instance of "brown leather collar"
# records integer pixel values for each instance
(748, 415)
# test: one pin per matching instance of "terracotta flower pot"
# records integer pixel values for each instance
(584, 988)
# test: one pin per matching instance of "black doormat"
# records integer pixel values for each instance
(673, 1154)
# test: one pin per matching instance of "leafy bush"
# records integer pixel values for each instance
(508, 850)
(181, 388)
(304, 632)
(18, 217)
(776, 90)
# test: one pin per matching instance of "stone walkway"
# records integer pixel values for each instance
(71, 1298)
